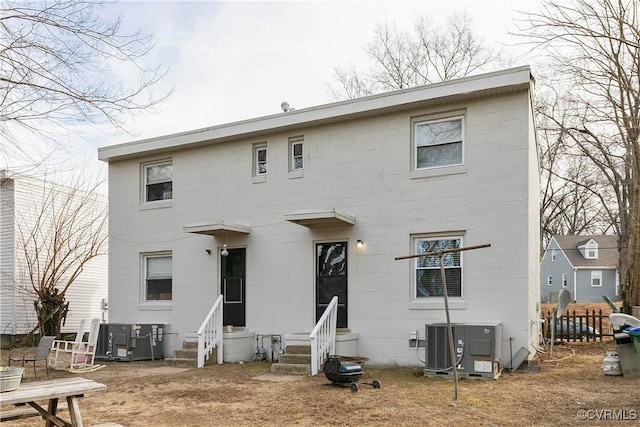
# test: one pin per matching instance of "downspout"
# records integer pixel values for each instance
(575, 284)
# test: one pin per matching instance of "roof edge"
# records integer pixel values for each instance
(518, 78)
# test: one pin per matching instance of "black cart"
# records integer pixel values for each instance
(346, 371)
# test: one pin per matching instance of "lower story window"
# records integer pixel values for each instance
(158, 277)
(428, 278)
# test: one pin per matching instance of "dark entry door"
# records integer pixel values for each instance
(331, 279)
(233, 286)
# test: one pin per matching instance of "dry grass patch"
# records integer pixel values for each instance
(145, 394)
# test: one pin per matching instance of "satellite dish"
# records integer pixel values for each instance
(563, 302)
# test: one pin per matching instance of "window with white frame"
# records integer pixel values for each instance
(550, 280)
(158, 276)
(439, 142)
(564, 280)
(428, 279)
(553, 254)
(296, 154)
(158, 181)
(260, 159)
(596, 279)
(591, 250)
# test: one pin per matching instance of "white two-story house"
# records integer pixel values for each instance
(280, 213)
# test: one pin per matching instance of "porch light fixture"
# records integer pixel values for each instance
(224, 251)
(360, 244)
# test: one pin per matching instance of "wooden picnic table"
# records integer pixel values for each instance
(30, 393)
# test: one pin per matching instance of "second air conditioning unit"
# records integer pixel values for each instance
(477, 349)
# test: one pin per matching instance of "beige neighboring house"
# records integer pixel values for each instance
(279, 213)
(20, 203)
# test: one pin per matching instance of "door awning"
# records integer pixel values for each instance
(216, 228)
(320, 218)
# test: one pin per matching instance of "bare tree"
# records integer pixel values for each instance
(402, 59)
(61, 63)
(593, 50)
(63, 230)
(574, 199)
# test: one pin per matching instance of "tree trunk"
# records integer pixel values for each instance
(632, 284)
(51, 310)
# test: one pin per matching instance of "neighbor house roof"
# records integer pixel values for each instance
(607, 250)
(475, 87)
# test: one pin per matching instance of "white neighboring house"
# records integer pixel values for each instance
(20, 204)
(290, 196)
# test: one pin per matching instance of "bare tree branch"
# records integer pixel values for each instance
(402, 59)
(64, 229)
(592, 47)
(57, 67)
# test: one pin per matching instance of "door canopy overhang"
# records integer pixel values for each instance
(320, 218)
(217, 228)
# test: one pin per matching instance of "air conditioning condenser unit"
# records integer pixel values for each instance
(477, 350)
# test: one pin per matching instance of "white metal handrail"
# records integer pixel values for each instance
(323, 336)
(210, 334)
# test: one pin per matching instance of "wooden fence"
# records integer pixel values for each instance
(586, 326)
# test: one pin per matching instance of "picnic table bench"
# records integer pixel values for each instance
(69, 389)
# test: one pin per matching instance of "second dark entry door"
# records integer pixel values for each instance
(233, 287)
(331, 279)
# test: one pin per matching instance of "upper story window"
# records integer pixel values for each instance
(260, 159)
(564, 280)
(296, 154)
(590, 250)
(158, 181)
(428, 280)
(158, 274)
(553, 254)
(439, 142)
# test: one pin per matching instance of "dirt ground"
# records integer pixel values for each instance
(571, 389)
(549, 392)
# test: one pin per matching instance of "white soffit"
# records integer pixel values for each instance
(216, 228)
(320, 218)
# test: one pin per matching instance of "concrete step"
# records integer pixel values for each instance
(290, 369)
(298, 349)
(187, 357)
(186, 354)
(295, 359)
(180, 362)
(187, 345)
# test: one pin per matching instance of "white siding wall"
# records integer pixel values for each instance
(27, 193)
(535, 326)
(361, 168)
(91, 286)
(7, 284)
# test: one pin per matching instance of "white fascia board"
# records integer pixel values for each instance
(471, 87)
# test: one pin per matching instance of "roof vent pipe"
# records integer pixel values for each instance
(285, 106)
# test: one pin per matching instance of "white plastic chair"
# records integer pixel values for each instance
(78, 355)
